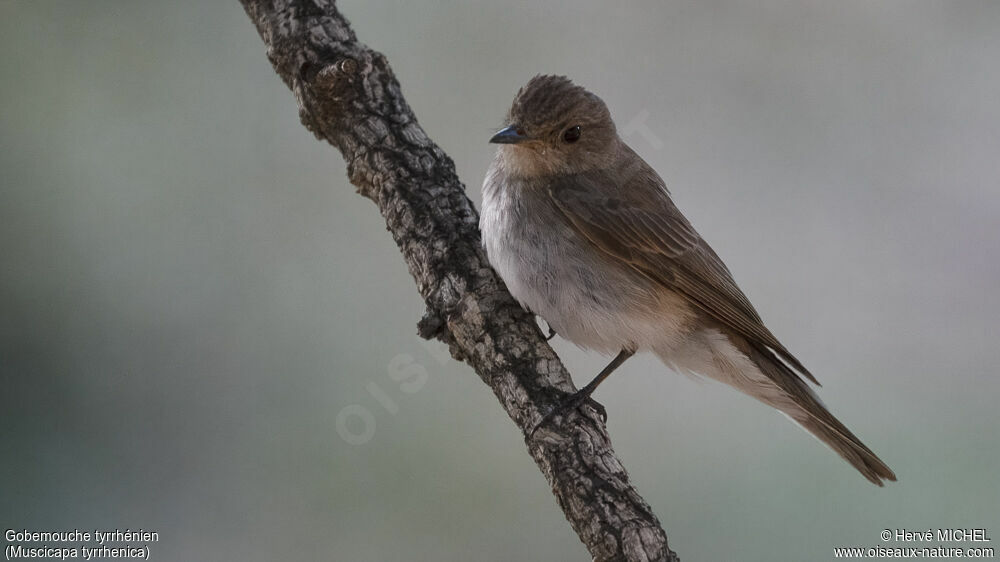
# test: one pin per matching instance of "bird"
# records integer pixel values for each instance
(585, 234)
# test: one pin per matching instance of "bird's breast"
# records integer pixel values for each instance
(584, 294)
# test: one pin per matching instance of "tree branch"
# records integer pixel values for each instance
(348, 96)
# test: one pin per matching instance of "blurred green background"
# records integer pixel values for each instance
(191, 291)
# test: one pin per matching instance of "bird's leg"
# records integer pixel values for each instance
(583, 395)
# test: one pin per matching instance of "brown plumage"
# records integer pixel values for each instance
(585, 234)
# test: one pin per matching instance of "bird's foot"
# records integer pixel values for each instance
(572, 402)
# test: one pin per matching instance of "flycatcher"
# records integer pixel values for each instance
(585, 234)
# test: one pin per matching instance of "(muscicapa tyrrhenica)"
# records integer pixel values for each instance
(585, 234)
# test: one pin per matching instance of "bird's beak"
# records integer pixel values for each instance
(509, 135)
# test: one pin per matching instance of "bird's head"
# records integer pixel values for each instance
(556, 127)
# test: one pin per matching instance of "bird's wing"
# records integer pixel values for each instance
(631, 217)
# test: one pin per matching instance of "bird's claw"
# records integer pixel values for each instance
(571, 403)
(599, 408)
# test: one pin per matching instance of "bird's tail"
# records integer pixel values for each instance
(795, 399)
(848, 446)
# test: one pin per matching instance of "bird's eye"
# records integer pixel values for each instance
(572, 134)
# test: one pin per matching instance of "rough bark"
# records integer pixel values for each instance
(348, 96)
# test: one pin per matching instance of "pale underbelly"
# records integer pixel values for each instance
(591, 300)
